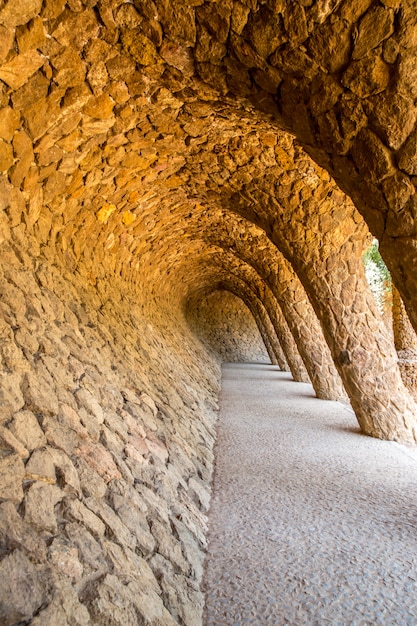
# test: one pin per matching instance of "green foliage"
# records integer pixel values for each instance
(372, 255)
(378, 277)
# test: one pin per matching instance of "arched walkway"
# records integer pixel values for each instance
(311, 522)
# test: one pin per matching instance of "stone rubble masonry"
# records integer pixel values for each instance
(405, 340)
(229, 331)
(150, 151)
(104, 475)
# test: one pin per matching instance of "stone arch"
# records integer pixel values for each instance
(130, 135)
(266, 329)
(256, 250)
(347, 95)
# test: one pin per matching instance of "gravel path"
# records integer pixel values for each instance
(311, 522)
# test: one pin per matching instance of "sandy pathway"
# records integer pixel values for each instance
(311, 522)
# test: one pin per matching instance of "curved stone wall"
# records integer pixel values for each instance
(152, 152)
(107, 425)
(225, 323)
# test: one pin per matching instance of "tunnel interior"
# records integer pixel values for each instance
(181, 184)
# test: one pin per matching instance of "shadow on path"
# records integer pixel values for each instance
(311, 522)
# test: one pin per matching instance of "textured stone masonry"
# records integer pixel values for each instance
(104, 473)
(221, 320)
(150, 153)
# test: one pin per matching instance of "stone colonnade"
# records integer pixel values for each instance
(150, 154)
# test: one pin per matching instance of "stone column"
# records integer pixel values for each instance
(289, 347)
(363, 351)
(305, 328)
(333, 275)
(268, 344)
(257, 251)
(252, 281)
(405, 338)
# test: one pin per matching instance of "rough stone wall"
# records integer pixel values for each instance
(106, 430)
(120, 122)
(131, 134)
(223, 321)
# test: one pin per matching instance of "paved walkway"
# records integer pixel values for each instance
(311, 523)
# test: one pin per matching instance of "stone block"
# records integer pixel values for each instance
(17, 12)
(193, 552)
(168, 546)
(64, 608)
(71, 418)
(87, 400)
(39, 395)
(116, 424)
(199, 493)
(32, 36)
(153, 501)
(99, 107)
(109, 601)
(91, 553)
(140, 47)
(376, 26)
(135, 520)
(143, 415)
(121, 534)
(392, 119)
(371, 156)
(64, 556)
(70, 70)
(66, 473)
(59, 435)
(9, 442)
(16, 72)
(41, 466)
(77, 26)
(76, 510)
(91, 482)
(157, 448)
(99, 460)
(39, 507)
(6, 156)
(407, 155)
(12, 472)
(15, 533)
(21, 592)
(366, 77)
(6, 40)
(9, 123)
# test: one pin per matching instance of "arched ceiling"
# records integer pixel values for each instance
(123, 121)
(133, 132)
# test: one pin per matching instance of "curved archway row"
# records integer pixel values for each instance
(111, 114)
(151, 151)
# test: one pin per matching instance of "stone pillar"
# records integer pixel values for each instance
(363, 351)
(257, 251)
(250, 280)
(333, 275)
(268, 345)
(270, 336)
(289, 347)
(405, 340)
(308, 336)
